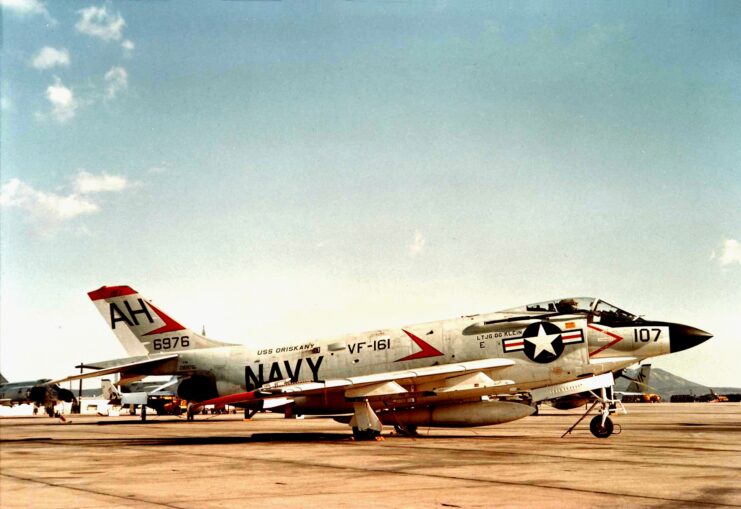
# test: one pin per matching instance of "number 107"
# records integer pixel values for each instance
(646, 335)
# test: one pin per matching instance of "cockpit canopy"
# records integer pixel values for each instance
(597, 310)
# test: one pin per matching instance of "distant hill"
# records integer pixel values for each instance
(666, 384)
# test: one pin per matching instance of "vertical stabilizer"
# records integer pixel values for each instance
(141, 327)
(640, 383)
(109, 390)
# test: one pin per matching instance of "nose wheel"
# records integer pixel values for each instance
(600, 429)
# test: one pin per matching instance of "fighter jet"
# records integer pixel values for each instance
(39, 393)
(476, 370)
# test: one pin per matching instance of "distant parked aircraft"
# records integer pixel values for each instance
(40, 393)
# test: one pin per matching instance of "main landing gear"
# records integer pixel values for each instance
(365, 423)
(601, 425)
(364, 434)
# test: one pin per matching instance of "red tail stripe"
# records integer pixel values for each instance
(170, 324)
(108, 292)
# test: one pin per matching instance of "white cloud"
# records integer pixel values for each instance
(44, 206)
(117, 79)
(27, 7)
(87, 183)
(98, 22)
(51, 208)
(5, 103)
(49, 57)
(128, 47)
(63, 102)
(730, 253)
(417, 244)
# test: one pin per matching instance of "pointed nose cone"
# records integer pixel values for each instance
(682, 337)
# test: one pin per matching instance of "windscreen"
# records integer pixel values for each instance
(608, 313)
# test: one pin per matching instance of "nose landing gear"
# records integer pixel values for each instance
(601, 425)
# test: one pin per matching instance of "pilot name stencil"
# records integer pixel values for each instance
(499, 335)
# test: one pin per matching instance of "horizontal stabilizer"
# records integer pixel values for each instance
(149, 364)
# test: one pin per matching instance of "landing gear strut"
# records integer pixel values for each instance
(365, 423)
(601, 425)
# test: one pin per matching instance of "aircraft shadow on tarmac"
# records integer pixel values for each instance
(207, 440)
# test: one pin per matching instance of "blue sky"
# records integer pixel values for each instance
(284, 170)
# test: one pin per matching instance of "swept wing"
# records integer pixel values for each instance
(442, 378)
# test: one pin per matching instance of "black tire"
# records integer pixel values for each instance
(366, 434)
(598, 430)
(406, 430)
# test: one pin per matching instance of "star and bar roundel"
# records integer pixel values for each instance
(543, 342)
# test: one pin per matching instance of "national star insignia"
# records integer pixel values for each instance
(543, 342)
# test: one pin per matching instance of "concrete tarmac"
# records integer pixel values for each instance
(668, 455)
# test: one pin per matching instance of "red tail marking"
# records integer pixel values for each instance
(427, 349)
(170, 324)
(108, 292)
